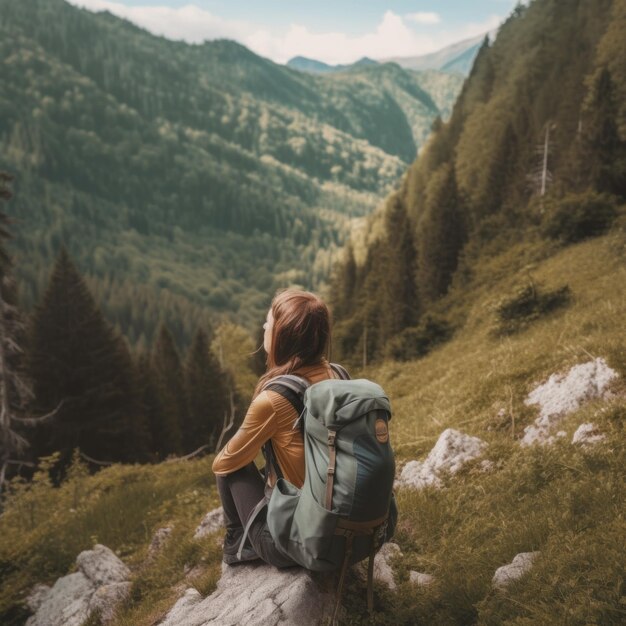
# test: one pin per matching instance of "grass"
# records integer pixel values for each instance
(565, 501)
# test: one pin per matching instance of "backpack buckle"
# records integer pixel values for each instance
(332, 435)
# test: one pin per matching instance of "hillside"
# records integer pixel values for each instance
(168, 158)
(534, 151)
(565, 501)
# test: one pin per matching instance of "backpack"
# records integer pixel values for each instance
(346, 509)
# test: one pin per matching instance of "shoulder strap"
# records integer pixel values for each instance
(340, 371)
(292, 388)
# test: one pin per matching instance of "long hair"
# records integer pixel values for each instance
(300, 334)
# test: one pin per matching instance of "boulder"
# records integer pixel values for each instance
(66, 604)
(588, 435)
(102, 566)
(452, 450)
(159, 539)
(213, 521)
(100, 584)
(383, 572)
(562, 394)
(107, 598)
(521, 564)
(420, 579)
(36, 597)
(254, 595)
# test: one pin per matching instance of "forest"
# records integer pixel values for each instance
(205, 175)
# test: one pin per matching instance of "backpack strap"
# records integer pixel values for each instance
(292, 388)
(340, 370)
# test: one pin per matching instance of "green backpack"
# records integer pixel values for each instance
(346, 509)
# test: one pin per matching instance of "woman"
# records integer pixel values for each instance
(296, 340)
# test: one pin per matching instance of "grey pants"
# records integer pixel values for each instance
(240, 492)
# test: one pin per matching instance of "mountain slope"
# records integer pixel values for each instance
(547, 91)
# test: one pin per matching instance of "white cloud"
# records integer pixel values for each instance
(424, 18)
(394, 36)
(189, 23)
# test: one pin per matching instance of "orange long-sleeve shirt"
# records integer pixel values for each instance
(270, 416)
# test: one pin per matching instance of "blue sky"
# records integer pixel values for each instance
(335, 31)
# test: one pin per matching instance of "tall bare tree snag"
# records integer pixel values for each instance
(541, 176)
(15, 391)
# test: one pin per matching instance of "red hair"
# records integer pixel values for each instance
(300, 334)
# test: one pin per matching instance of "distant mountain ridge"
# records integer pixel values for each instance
(458, 57)
(304, 64)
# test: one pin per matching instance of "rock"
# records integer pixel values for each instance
(107, 598)
(66, 604)
(420, 579)
(100, 584)
(588, 434)
(213, 520)
(383, 571)
(102, 566)
(564, 393)
(452, 450)
(159, 539)
(36, 597)
(254, 595)
(514, 570)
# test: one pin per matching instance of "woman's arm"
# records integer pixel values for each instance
(258, 426)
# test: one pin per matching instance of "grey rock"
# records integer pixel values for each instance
(420, 579)
(213, 521)
(107, 598)
(254, 595)
(101, 583)
(37, 596)
(521, 564)
(452, 450)
(587, 434)
(562, 394)
(383, 571)
(159, 539)
(66, 604)
(102, 566)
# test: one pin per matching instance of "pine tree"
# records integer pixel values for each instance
(78, 360)
(206, 393)
(172, 414)
(397, 291)
(606, 152)
(441, 237)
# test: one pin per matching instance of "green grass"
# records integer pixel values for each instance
(564, 501)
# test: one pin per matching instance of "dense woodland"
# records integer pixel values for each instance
(69, 380)
(190, 178)
(535, 147)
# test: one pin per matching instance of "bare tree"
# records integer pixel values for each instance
(15, 391)
(541, 177)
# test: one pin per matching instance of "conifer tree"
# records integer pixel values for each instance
(398, 293)
(206, 393)
(78, 360)
(171, 418)
(606, 152)
(441, 237)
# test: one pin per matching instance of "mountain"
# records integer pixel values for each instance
(458, 57)
(189, 179)
(303, 64)
(532, 157)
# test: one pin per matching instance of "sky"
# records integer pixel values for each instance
(333, 31)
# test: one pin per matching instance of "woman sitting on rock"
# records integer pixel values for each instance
(296, 340)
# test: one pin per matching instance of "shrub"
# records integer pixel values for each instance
(526, 304)
(418, 341)
(578, 216)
